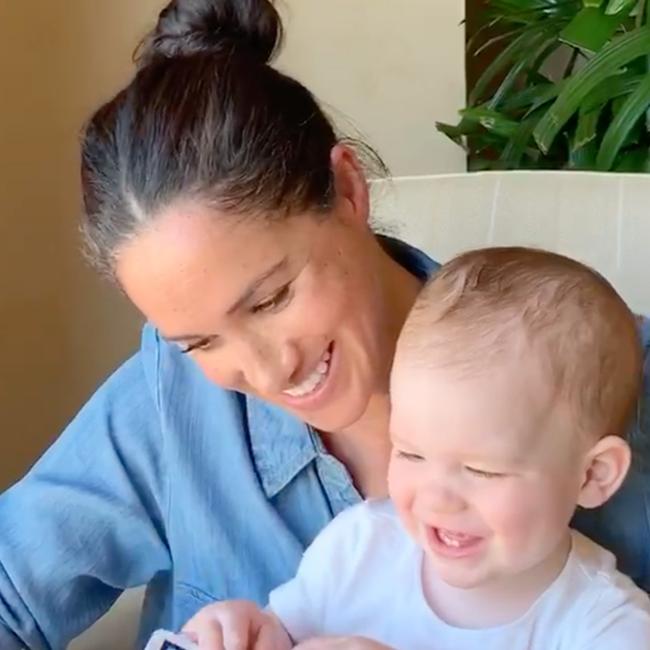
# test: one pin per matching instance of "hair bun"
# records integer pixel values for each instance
(187, 27)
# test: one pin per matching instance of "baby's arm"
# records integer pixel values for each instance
(237, 625)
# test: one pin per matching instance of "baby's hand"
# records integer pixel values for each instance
(341, 643)
(236, 625)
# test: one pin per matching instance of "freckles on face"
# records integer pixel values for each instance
(190, 274)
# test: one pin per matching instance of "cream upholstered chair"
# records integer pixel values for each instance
(600, 219)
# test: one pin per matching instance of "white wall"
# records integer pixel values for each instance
(391, 68)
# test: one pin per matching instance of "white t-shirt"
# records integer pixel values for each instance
(362, 577)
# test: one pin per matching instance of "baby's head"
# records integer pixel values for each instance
(515, 378)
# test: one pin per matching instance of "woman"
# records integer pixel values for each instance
(220, 199)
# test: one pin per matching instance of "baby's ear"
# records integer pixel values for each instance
(606, 466)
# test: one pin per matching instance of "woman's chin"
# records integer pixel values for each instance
(337, 418)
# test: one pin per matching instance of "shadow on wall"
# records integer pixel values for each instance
(62, 328)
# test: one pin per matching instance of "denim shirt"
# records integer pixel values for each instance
(202, 494)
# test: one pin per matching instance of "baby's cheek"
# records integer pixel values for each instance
(529, 516)
(398, 492)
(402, 495)
(512, 516)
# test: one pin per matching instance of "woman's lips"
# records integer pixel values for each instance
(312, 392)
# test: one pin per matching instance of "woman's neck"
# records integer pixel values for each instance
(364, 446)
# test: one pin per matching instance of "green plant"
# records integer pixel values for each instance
(568, 89)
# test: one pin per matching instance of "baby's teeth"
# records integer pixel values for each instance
(449, 541)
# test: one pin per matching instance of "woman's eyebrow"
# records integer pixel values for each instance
(247, 293)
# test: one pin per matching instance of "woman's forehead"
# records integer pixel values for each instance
(172, 266)
(202, 240)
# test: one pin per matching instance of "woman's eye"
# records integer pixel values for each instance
(405, 455)
(203, 344)
(482, 473)
(274, 302)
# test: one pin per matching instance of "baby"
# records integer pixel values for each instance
(514, 381)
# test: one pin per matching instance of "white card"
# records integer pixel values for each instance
(164, 640)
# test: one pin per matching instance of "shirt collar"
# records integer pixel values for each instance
(412, 259)
(281, 444)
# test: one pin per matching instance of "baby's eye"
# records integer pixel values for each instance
(483, 473)
(405, 455)
(274, 302)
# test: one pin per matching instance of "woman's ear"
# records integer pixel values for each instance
(606, 466)
(350, 185)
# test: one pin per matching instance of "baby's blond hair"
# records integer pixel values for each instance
(490, 304)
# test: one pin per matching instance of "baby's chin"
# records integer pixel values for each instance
(482, 578)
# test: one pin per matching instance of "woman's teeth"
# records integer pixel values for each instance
(314, 380)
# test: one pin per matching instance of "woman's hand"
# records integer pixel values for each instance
(236, 625)
(341, 643)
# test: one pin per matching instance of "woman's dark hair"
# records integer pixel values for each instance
(205, 117)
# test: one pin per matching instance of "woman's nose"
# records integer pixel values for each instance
(262, 367)
(264, 373)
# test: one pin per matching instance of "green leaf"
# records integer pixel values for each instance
(625, 119)
(484, 142)
(492, 121)
(608, 61)
(533, 59)
(591, 28)
(471, 44)
(587, 128)
(592, 107)
(492, 41)
(517, 8)
(583, 158)
(520, 45)
(618, 6)
(480, 165)
(532, 97)
(521, 117)
(514, 151)
(458, 131)
(610, 88)
(635, 161)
